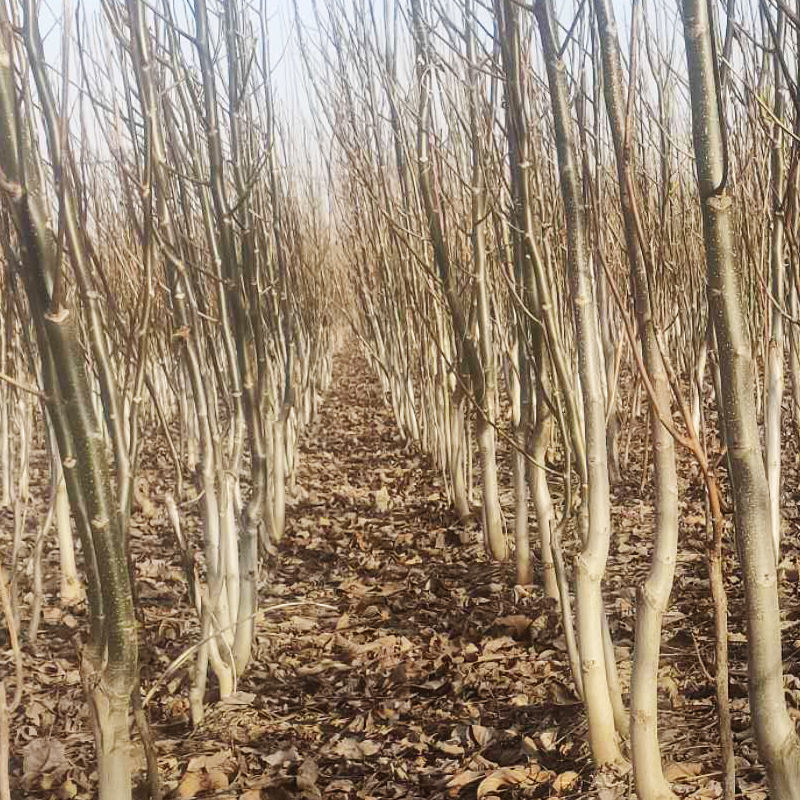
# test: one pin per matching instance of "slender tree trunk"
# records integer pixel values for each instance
(487, 440)
(540, 491)
(794, 358)
(456, 455)
(591, 563)
(525, 271)
(775, 346)
(698, 382)
(777, 740)
(653, 595)
(519, 390)
(5, 396)
(71, 588)
(480, 374)
(109, 662)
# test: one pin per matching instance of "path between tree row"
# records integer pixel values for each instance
(412, 664)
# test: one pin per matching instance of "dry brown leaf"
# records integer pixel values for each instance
(307, 778)
(669, 685)
(565, 781)
(348, 748)
(711, 791)
(343, 621)
(369, 748)
(679, 770)
(43, 755)
(507, 776)
(238, 699)
(195, 782)
(500, 643)
(481, 734)
(216, 779)
(67, 790)
(340, 785)
(462, 779)
(210, 761)
(279, 757)
(518, 624)
(196, 763)
(450, 748)
(548, 739)
(610, 787)
(355, 750)
(382, 500)
(191, 785)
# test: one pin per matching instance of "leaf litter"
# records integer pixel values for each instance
(392, 658)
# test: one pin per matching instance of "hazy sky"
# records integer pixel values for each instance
(289, 83)
(293, 94)
(284, 54)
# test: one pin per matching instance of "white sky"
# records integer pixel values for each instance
(293, 94)
(289, 84)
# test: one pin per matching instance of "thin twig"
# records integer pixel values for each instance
(8, 613)
(25, 388)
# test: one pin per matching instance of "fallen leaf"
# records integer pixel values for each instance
(238, 699)
(679, 770)
(548, 739)
(280, 757)
(670, 686)
(500, 778)
(518, 624)
(67, 790)
(481, 734)
(307, 778)
(195, 782)
(191, 784)
(216, 779)
(369, 747)
(196, 763)
(711, 791)
(462, 779)
(343, 621)
(355, 750)
(450, 748)
(339, 785)
(565, 781)
(303, 624)
(382, 500)
(41, 756)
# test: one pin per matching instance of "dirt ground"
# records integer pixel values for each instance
(393, 660)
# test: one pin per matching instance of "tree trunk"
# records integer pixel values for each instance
(653, 595)
(591, 563)
(775, 346)
(778, 744)
(111, 656)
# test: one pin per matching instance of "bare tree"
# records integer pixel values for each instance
(777, 740)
